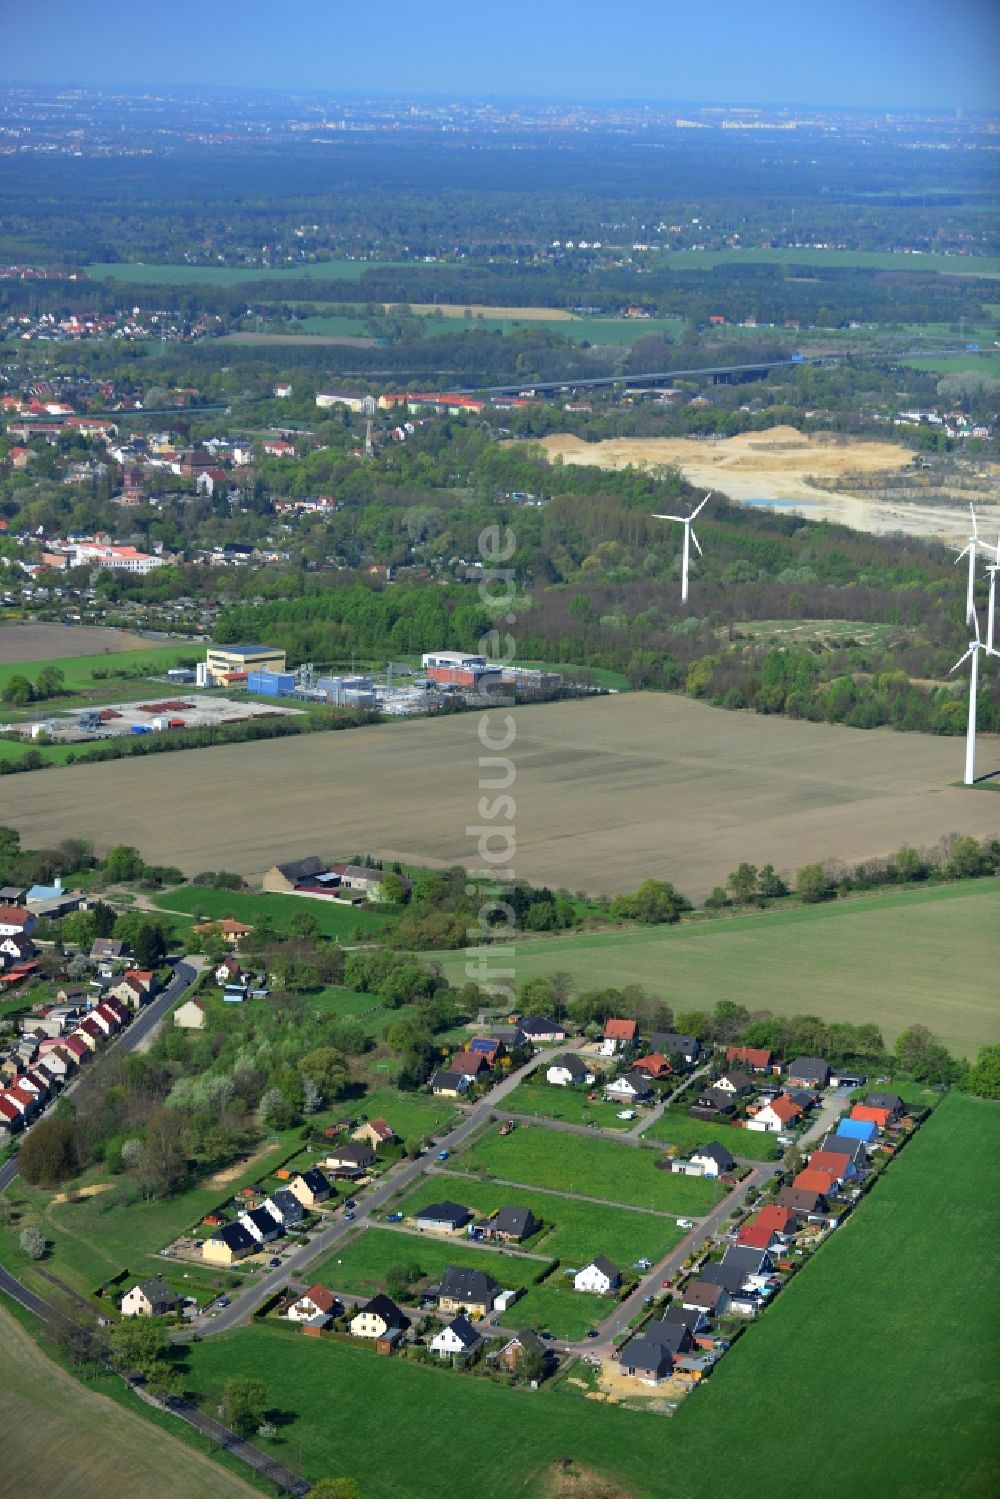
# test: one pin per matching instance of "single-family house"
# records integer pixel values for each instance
(618, 1034)
(129, 991)
(458, 1339)
(865, 1130)
(149, 1298)
(631, 1087)
(466, 1290)
(76, 1049)
(375, 1132)
(488, 1047)
(352, 1156)
(230, 931)
(706, 1297)
(804, 1203)
(107, 950)
(539, 1029)
(655, 1066)
(286, 1207)
(11, 1117)
(598, 1276)
(754, 1264)
(734, 1083)
(442, 1217)
(693, 1318)
(754, 1058)
(315, 1307)
(645, 1357)
(512, 1225)
(779, 1219)
(448, 1084)
(675, 1336)
(808, 1072)
(190, 1015)
(890, 1101)
(17, 921)
(89, 1032)
(379, 1318)
(714, 1159)
(756, 1236)
(470, 1064)
(230, 1243)
(228, 971)
(262, 1225)
(524, 1342)
(815, 1180)
(310, 1187)
(568, 1071)
(781, 1114)
(868, 1114)
(674, 1043)
(857, 1150)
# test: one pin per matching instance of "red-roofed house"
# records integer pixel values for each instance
(655, 1065)
(757, 1058)
(10, 1115)
(89, 1032)
(618, 1034)
(376, 1132)
(777, 1219)
(882, 1118)
(756, 1236)
(813, 1181)
(781, 1114)
(16, 921)
(315, 1305)
(76, 1049)
(839, 1168)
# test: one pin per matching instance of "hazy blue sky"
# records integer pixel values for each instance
(890, 52)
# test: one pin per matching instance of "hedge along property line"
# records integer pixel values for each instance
(268, 1306)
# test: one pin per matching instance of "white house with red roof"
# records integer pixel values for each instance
(17, 921)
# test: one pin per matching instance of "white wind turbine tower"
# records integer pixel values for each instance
(976, 648)
(689, 536)
(970, 550)
(992, 569)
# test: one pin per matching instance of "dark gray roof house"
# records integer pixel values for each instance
(750, 1261)
(668, 1042)
(514, 1223)
(810, 1071)
(674, 1336)
(606, 1266)
(464, 1331)
(717, 1153)
(539, 1028)
(468, 1287)
(302, 869)
(160, 1296)
(884, 1101)
(442, 1215)
(384, 1307)
(647, 1358)
(730, 1277)
(235, 1237)
(288, 1205)
(689, 1317)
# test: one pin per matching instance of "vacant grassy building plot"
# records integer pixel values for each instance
(589, 1168)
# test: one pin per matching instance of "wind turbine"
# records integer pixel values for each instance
(689, 536)
(969, 550)
(992, 569)
(976, 648)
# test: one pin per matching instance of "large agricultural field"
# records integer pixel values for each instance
(881, 1295)
(31, 642)
(201, 903)
(609, 791)
(873, 260)
(92, 1447)
(892, 958)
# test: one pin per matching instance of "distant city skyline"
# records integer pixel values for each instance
(891, 54)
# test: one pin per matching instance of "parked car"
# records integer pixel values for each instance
(592, 1332)
(643, 1265)
(393, 1217)
(223, 1301)
(273, 1264)
(687, 1222)
(443, 1155)
(349, 1215)
(626, 1113)
(350, 1203)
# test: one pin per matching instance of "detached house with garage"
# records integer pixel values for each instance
(808, 1072)
(458, 1340)
(568, 1071)
(150, 1298)
(380, 1319)
(470, 1291)
(631, 1087)
(774, 1118)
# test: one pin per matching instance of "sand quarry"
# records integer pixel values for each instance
(608, 791)
(777, 465)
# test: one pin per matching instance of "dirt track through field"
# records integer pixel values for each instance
(776, 465)
(608, 791)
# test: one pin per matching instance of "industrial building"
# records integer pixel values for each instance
(459, 669)
(226, 664)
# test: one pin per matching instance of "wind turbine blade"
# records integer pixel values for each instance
(975, 620)
(962, 660)
(700, 507)
(696, 542)
(680, 518)
(958, 559)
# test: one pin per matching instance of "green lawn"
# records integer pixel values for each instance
(909, 1285)
(598, 1168)
(95, 1237)
(359, 1267)
(555, 1307)
(956, 364)
(569, 1104)
(674, 1127)
(573, 1231)
(875, 260)
(203, 904)
(330, 324)
(79, 670)
(409, 1114)
(929, 947)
